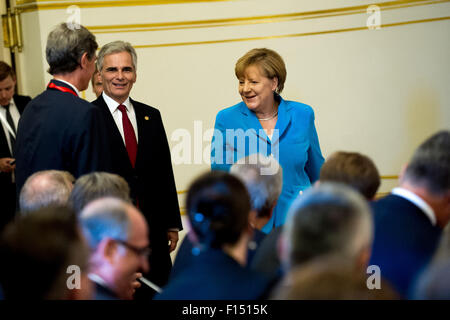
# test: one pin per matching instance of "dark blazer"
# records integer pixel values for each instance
(215, 276)
(61, 131)
(103, 293)
(151, 182)
(8, 188)
(185, 256)
(404, 241)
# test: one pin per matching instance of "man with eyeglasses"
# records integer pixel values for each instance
(117, 234)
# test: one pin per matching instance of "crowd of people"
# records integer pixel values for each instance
(89, 201)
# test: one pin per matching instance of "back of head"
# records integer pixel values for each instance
(45, 188)
(36, 252)
(263, 177)
(66, 44)
(98, 185)
(5, 71)
(353, 169)
(330, 219)
(430, 164)
(218, 206)
(329, 279)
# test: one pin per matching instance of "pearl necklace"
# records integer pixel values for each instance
(269, 118)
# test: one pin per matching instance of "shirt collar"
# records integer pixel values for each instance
(97, 279)
(418, 201)
(71, 85)
(113, 104)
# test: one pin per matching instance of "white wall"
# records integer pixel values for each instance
(379, 92)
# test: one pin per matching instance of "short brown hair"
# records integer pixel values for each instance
(268, 60)
(5, 71)
(353, 169)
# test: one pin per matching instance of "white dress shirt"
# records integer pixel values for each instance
(15, 115)
(419, 202)
(117, 114)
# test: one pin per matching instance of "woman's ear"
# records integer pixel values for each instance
(274, 83)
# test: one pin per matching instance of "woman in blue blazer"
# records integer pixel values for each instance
(266, 123)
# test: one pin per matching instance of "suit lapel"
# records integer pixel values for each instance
(142, 119)
(251, 122)
(114, 131)
(284, 119)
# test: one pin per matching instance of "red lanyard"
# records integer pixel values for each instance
(63, 89)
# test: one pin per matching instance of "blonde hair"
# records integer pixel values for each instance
(268, 60)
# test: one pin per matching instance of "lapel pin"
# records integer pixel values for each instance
(146, 118)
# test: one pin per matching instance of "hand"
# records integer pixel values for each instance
(172, 236)
(5, 165)
(136, 284)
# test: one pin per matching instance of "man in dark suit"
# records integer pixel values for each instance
(12, 106)
(59, 130)
(140, 153)
(409, 221)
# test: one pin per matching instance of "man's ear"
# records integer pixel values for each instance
(107, 249)
(84, 61)
(402, 172)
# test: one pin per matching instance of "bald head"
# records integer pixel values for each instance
(46, 188)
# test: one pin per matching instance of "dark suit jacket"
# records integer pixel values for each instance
(103, 293)
(185, 255)
(60, 131)
(151, 182)
(404, 241)
(215, 276)
(8, 188)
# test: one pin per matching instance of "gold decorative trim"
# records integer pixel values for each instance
(176, 44)
(387, 177)
(390, 5)
(37, 5)
(393, 177)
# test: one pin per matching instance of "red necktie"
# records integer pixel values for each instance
(130, 136)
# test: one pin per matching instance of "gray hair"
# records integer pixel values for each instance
(264, 189)
(45, 188)
(66, 46)
(105, 218)
(330, 219)
(430, 164)
(116, 47)
(96, 185)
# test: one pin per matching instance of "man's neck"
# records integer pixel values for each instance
(433, 201)
(72, 78)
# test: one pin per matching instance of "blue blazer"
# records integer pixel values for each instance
(295, 145)
(404, 241)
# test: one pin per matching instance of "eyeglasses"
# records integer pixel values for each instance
(143, 252)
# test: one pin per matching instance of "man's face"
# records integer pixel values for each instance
(97, 84)
(118, 75)
(6, 90)
(127, 261)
